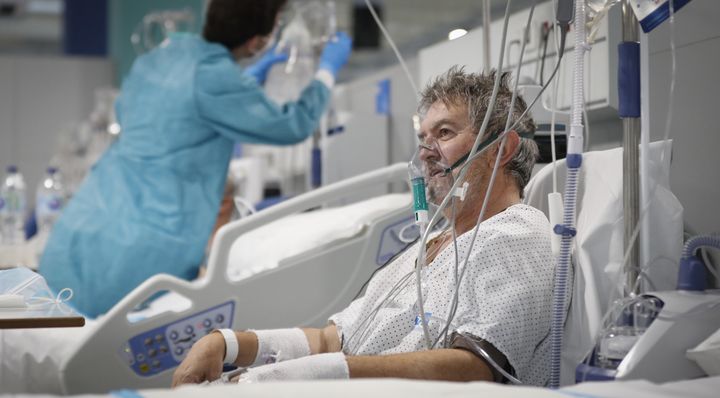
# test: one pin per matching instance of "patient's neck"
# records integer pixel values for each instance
(504, 195)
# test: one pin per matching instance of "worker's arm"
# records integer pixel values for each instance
(205, 359)
(445, 364)
(237, 107)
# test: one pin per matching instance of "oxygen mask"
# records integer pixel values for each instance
(430, 163)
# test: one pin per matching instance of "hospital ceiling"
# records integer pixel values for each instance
(413, 24)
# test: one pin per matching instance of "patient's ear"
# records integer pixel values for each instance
(512, 143)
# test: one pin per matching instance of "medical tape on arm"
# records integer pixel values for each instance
(277, 345)
(313, 367)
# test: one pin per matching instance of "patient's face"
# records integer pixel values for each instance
(447, 135)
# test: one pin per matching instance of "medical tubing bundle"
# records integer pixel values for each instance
(453, 308)
(567, 230)
(461, 177)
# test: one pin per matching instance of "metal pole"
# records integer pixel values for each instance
(486, 36)
(631, 167)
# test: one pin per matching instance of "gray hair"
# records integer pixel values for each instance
(473, 90)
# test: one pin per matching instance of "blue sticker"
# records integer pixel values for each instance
(382, 99)
(427, 318)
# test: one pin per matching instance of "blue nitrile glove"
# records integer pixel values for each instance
(260, 69)
(336, 53)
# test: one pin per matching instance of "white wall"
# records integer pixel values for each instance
(41, 96)
(694, 174)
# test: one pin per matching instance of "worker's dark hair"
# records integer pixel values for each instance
(234, 22)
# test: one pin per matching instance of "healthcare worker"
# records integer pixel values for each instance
(149, 204)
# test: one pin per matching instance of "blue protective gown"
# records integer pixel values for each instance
(149, 204)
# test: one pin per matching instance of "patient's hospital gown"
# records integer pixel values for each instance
(149, 204)
(505, 296)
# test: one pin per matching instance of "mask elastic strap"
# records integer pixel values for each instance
(484, 144)
(62, 297)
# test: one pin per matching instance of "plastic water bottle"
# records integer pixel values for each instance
(12, 207)
(49, 201)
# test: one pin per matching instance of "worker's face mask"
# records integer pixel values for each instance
(29, 289)
(266, 43)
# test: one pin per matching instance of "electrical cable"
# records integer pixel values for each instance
(545, 40)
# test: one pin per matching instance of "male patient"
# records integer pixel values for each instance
(504, 302)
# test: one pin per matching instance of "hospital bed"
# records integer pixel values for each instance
(132, 348)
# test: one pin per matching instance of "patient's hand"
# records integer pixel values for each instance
(203, 362)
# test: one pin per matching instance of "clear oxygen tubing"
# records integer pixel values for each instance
(488, 192)
(393, 46)
(463, 170)
(567, 230)
(491, 105)
(501, 136)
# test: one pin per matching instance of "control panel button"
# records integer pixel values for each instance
(189, 329)
(159, 338)
(148, 341)
(140, 357)
(220, 318)
(179, 351)
(174, 335)
(144, 368)
(156, 364)
(163, 349)
(207, 323)
(152, 352)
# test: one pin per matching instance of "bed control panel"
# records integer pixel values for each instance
(162, 348)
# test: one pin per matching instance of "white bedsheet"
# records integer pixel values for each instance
(31, 357)
(263, 248)
(394, 388)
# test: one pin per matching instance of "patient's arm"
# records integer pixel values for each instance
(445, 364)
(323, 340)
(204, 361)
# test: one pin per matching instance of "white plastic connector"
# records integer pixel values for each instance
(575, 140)
(555, 210)
(421, 217)
(460, 192)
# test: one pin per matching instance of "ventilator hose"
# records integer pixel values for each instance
(561, 278)
(700, 241)
(574, 162)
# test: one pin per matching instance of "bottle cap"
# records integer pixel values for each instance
(12, 168)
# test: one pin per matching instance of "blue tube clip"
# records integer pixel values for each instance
(560, 229)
